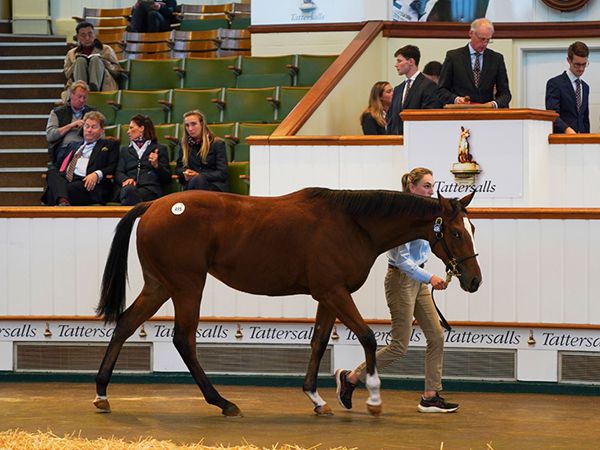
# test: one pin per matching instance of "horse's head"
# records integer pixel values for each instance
(451, 239)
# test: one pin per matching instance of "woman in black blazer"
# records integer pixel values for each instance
(374, 118)
(143, 165)
(202, 160)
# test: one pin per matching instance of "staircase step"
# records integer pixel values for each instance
(32, 49)
(23, 123)
(31, 91)
(24, 197)
(22, 177)
(20, 62)
(33, 106)
(36, 139)
(23, 157)
(9, 37)
(32, 76)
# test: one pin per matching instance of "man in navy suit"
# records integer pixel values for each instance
(568, 94)
(474, 73)
(416, 92)
(82, 177)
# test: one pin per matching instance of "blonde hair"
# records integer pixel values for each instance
(206, 135)
(413, 177)
(375, 107)
(79, 84)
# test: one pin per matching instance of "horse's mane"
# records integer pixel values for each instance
(381, 203)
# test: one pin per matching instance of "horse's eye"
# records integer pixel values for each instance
(456, 234)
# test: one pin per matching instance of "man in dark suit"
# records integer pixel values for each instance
(416, 92)
(568, 94)
(474, 73)
(82, 177)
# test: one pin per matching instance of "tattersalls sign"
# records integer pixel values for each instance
(265, 12)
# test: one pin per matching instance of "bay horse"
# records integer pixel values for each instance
(314, 241)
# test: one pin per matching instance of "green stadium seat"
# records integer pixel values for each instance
(288, 99)
(239, 177)
(265, 71)
(99, 101)
(227, 132)
(154, 74)
(239, 22)
(204, 73)
(311, 67)
(112, 131)
(242, 149)
(201, 24)
(249, 105)
(184, 100)
(150, 103)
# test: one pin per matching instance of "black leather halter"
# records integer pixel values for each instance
(452, 266)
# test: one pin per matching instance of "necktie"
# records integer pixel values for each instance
(477, 69)
(406, 89)
(71, 166)
(578, 93)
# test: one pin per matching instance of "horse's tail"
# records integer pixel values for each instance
(112, 293)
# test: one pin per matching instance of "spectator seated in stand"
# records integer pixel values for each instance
(143, 166)
(202, 160)
(82, 177)
(373, 120)
(92, 61)
(150, 16)
(65, 123)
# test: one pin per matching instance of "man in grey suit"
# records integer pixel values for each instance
(474, 73)
(416, 92)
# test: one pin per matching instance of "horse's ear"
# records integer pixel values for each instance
(467, 199)
(444, 202)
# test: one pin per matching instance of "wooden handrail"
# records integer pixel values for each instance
(28, 212)
(592, 138)
(330, 78)
(478, 114)
(444, 30)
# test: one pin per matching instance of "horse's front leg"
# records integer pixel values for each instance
(323, 325)
(187, 308)
(341, 303)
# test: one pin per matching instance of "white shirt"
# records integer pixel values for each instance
(84, 160)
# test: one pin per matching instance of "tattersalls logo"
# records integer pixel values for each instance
(465, 171)
(308, 9)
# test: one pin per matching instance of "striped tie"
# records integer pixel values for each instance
(477, 69)
(71, 166)
(578, 93)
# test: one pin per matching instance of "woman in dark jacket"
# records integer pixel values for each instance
(143, 165)
(374, 118)
(202, 161)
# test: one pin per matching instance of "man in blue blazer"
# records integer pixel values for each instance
(474, 73)
(568, 94)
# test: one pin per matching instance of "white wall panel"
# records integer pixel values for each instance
(533, 271)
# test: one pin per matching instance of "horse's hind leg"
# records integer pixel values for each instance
(341, 304)
(323, 325)
(151, 298)
(187, 309)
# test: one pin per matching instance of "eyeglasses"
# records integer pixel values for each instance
(483, 39)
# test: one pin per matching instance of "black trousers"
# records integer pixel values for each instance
(74, 191)
(144, 19)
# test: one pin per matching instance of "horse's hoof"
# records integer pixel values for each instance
(375, 410)
(102, 405)
(323, 410)
(232, 411)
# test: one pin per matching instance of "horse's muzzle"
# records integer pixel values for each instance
(475, 283)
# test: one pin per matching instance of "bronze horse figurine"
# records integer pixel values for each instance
(315, 241)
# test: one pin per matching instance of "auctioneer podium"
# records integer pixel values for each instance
(508, 149)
